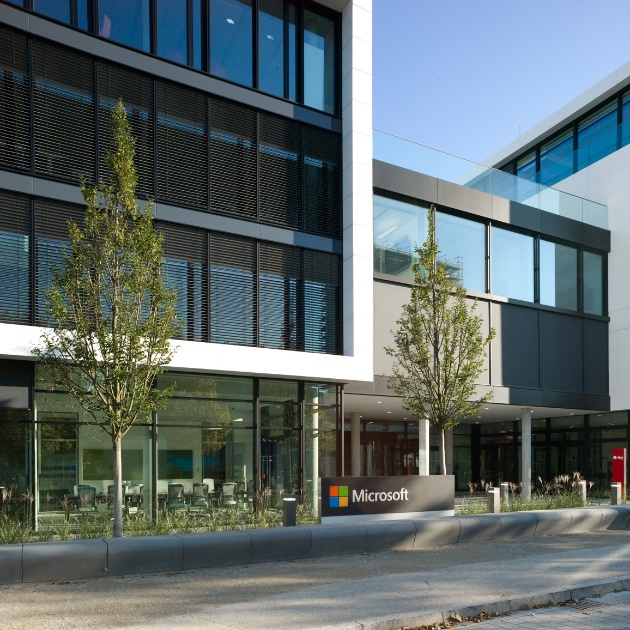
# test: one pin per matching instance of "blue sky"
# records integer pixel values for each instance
(460, 75)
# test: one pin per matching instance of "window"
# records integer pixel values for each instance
(558, 275)
(199, 43)
(63, 112)
(597, 135)
(625, 119)
(526, 166)
(185, 253)
(15, 254)
(271, 46)
(593, 273)
(136, 92)
(512, 265)
(56, 9)
(292, 70)
(556, 159)
(280, 297)
(172, 27)
(126, 22)
(319, 62)
(462, 245)
(398, 228)
(231, 40)
(182, 145)
(233, 290)
(14, 101)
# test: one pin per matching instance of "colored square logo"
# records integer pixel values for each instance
(338, 496)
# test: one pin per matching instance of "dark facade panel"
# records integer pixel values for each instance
(561, 352)
(518, 361)
(16, 378)
(404, 182)
(595, 340)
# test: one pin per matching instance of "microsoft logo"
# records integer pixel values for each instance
(338, 496)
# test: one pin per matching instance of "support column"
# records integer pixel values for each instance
(423, 447)
(526, 454)
(355, 443)
(448, 446)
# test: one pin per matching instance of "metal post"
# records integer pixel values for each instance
(289, 505)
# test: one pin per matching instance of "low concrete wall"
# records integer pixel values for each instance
(37, 562)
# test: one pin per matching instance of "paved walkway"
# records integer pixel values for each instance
(377, 591)
(609, 612)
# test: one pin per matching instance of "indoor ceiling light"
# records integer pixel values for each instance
(379, 402)
(237, 420)
(388, 231)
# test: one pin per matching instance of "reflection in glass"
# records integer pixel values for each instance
(320, 450)
(512, 265)
(14, 449)
(56, 9)
(15, 278)
(198, 35)
(279, 415)
(126, 22)
(172, 30)
(280, 391)
(319, 62)
(231, 40)
(558, 275)
(293, 79)
(597, 135)
(398, 228)
(593, 266)
(203, 386)
(271, 46)
(556, 159)
(279, 463)
(462, 245)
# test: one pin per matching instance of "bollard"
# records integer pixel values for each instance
(582, 490)
(289, 504)
(615, 494)
(505, 493)
(494, 501)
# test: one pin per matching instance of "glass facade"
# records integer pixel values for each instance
(512, 259)
(558, 275)
(225, 38)
(518, 262)
(208, 434)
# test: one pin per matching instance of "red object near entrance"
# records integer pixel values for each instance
(619, 468)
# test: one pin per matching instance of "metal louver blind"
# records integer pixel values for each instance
(322, 182)
(185, 252)
(322, 302)
(232, 159)
(233, 290)
(182, 145)
(15, 258)
(51, 236)
(15, 144)
(64, 112)
(280, 160)
(280, 297)
(136, 92)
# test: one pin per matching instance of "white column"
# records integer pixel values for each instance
(448, 446)
(526, 453)
(355, 443)
(423, 447)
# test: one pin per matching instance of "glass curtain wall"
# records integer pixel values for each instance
(512, 264)
(558, 275)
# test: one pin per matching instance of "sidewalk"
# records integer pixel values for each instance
(376, 591)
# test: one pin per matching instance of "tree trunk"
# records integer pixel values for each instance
(118, 498)
(442, 453)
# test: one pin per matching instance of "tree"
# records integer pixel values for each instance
(439, 345)
(111, 310)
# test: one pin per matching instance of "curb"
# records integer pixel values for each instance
(506, 605)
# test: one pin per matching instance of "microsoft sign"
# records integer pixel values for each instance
(379, 498)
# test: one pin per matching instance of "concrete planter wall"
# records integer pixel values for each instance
(38, 562)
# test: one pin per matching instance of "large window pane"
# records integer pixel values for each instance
(558, 275)
(14, 451)
(56, 9)
(271, 46)
(319, 62)
(172, 30)
(512, 265)
(279, 463)
(198, 35)
(231, 40)
(398, 228)
(293, 76)
(197, 386)
(593, 283)
(125, 21)
(625, 119)
(556, 159)
(597, 135)
(462, 245)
